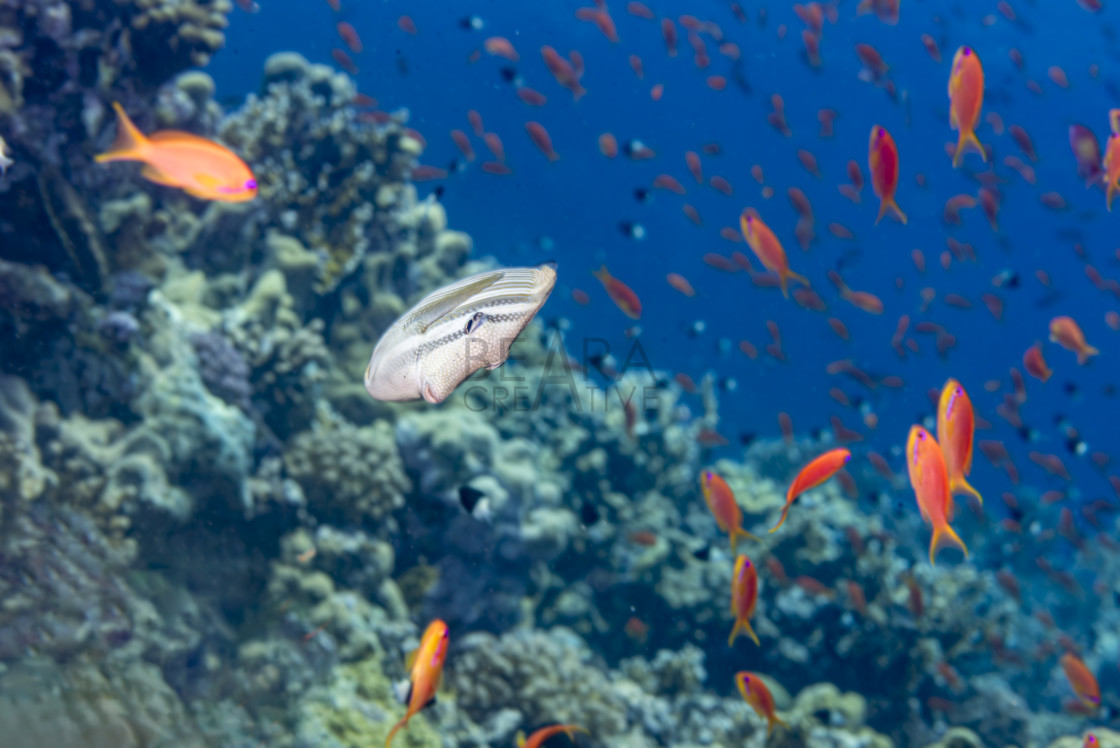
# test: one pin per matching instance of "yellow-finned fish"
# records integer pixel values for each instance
(427, 667)
(455, 331)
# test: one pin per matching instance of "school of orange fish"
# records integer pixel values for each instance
(938, 466)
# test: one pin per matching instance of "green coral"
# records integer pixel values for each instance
(357, 709)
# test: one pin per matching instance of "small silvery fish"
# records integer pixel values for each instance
(455, 331)
(5, 162)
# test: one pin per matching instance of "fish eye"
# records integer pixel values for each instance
(473, 323)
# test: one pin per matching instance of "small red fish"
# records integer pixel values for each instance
(721, 502)
(812, 475)
(768, 249)
(930, 481)
(1082, 680)
(1035, 364)
(966, 99)
(744, 598)
(426, 669)
(1067, 333)
(757, 694)
(956, 424)
(621, 294)
(538, 738)
(541, 139)
(1111, 168)
(882, 160)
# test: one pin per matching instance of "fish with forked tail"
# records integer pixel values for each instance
(455, 331)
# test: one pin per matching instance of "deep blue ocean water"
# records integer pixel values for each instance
(579, 201)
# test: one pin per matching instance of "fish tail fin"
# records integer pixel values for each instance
(571, 731)
(738, 532)
(961, 486)
(967, 141)
(887, 204)
(742, 626)
(782, 520)
(1085, 353)
(798, 277)
(393, 732)
(774, 720)
(130, 143)
(945, 537)
(602, 273)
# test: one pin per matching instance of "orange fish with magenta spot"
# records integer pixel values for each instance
(1067, 333)
(198, 166)
(930, 481)
(768, 249)
(1082, 680)
(966, 99)
(721, 502)
(882, 161)
(426, 669)
(744, 598)
(541, 736)
(812, 475)
(756, 693)
(956, 424)
(621, 294)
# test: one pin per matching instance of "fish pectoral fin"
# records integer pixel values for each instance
(429, 392)
(435, 306)
(152, 174)
(410, 659)
(209, 181)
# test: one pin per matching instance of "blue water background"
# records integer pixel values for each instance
(579, 201)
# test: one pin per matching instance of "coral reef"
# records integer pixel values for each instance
(209, 533)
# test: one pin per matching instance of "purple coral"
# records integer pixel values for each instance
(224, 371)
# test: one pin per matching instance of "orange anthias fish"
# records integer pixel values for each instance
(1082, 680)
(768, 249)
(427, 667)
(538, 738)
(621, 294)
(196, 165)
(956, 424)
(744, 598)
(721, 502)
(966, 99)
(1112, 167)
(812, 475)
(930, 482)
(757, 694)
(1067, 333)
(882, 160)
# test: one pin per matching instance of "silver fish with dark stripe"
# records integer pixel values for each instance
(455, 331)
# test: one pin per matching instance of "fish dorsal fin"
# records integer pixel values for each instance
(439, 304)
(473, 291)
(520, 739)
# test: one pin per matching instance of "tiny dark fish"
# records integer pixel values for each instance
(642, 195)
(746, 438)
(702, 554)
(469, 498)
